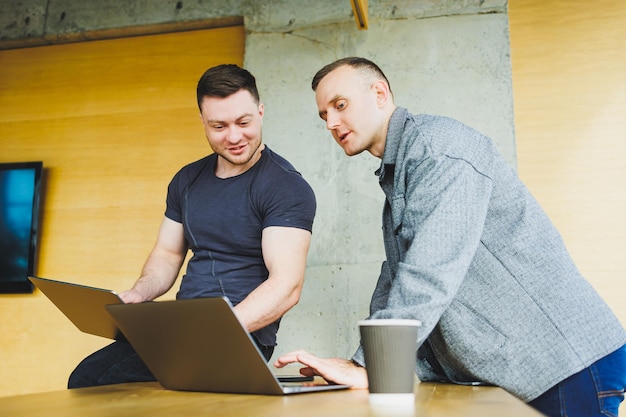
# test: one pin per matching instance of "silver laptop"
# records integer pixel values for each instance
(83, 305)
(200, 345)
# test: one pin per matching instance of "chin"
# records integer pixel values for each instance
(352, 152)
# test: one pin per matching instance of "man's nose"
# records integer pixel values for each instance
(332, 121)
(234, 134)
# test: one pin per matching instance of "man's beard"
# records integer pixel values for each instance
(224, 154)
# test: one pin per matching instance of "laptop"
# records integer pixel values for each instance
(199, 345)
(83, 305)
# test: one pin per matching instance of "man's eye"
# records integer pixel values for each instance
(341, 105)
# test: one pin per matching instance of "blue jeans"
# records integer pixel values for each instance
(118, 363)
(595, 391)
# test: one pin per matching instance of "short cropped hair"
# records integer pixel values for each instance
(224, 80)
(362, 65)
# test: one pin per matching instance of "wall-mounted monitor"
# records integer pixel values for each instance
(20, 193)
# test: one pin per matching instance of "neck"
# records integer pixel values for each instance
(379, 145)
(226, 169)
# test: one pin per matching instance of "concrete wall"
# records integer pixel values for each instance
(442, 57)
(457, 66)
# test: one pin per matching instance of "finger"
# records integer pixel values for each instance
(310, 361)
(285, 360)
(288, 358)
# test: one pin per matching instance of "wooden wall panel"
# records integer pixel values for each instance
(112, 121)
(569, 84)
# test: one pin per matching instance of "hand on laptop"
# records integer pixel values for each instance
(334, 370)
(131, 296)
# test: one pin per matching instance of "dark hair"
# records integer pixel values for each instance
(363, 65)
(224, 80)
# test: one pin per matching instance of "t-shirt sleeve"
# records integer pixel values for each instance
(289, 201)
(177, 189)
(173, 206)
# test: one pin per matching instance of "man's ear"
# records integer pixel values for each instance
(383, 94)
(261, 110)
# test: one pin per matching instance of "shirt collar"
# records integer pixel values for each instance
(394, 137)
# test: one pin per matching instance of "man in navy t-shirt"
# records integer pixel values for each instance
(244, 212)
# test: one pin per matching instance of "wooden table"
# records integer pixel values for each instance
(149, 399)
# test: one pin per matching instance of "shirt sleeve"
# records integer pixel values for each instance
(173, 209)
(289, 201)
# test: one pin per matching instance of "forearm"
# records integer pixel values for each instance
(157, 276)
(161, 269)
(267, 303)
(155, 280)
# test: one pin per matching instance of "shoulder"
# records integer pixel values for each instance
(445, 138)
(189, 173)
(193, 169)
(196, 166)
(442, 130)
(274, 169)
(277, 180)
(272, 160)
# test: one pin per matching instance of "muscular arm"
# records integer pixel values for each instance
(284, 252)
(162, 266)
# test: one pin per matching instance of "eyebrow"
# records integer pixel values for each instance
(243, 116)
(335, 98)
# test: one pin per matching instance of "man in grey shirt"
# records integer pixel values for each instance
(472, 255)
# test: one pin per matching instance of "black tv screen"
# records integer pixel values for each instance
(20, 192)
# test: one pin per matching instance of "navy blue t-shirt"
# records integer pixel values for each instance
(223, 220)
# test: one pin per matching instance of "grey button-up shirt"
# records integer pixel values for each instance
(472, 256)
